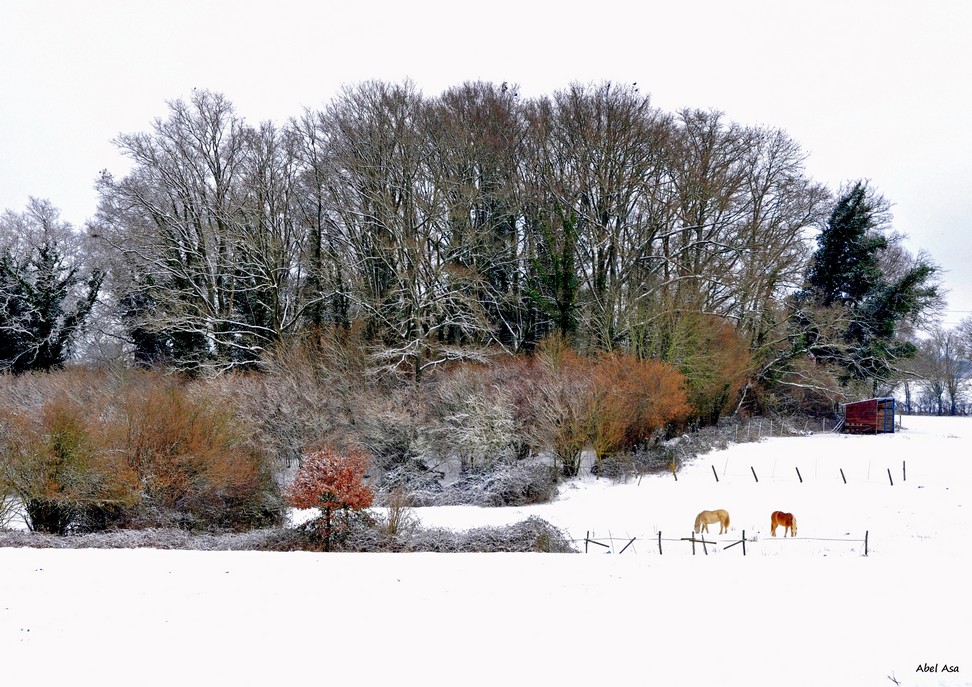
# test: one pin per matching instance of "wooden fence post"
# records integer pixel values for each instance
(889, 477)
(587, 538)
(904, 474)
(842, 475)
(659, 543)
(799, 475)
(754, 473)
(865, 542)
(715, 473)
(693, 543)
(744, 542)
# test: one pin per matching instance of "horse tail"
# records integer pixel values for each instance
(698, 522)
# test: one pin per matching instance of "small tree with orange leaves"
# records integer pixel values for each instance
(332, 482)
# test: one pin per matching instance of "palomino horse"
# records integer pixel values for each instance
(786, 520)
(712, 516)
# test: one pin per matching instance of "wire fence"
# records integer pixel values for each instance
(698, 542)
(809, 471)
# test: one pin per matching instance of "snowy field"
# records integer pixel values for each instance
(806, 611)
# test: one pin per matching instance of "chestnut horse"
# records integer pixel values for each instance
(787, 520)
(712, 516)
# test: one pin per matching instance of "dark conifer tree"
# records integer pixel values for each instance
(846, 266)
(40, 315)
(846, 272)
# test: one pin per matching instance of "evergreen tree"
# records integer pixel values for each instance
(861, 303)
(149, 347)
(553, 284)
(40, 315)
(846, 266)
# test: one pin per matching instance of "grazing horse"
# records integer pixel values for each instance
(786, 520)
(712, 516)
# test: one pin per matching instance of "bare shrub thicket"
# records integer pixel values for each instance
(400, 520)
(196, 461)
(475, 441)
(468, 419)
(609, 404)
(9, 505)
(88, 450)
(809, 388)
(386, 424)
(632, 400)
(309, 396)
(522, 377)
(564, 399)
(715, 359)
(56, 459)
(324, 389)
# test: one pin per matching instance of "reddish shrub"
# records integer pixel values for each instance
(332, 482)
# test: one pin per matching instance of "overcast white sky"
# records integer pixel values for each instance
(880, 90)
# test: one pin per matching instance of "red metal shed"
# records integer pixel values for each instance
(873, 416)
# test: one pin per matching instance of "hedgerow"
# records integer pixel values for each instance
(363, 534)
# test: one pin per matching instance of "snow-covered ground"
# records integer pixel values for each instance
(806, 611)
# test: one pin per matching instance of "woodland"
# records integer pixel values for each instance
(455, 297)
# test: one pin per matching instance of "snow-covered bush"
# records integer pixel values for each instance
(422, 485)
(362, 533)
(508, 484)
(516, 484)
(531, 535)
(467, 419)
